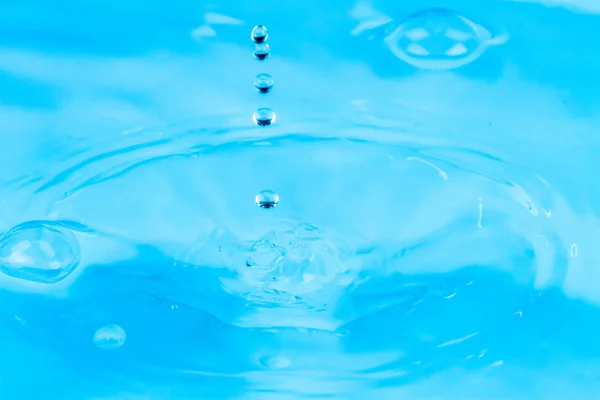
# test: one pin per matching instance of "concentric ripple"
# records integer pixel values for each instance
(455, 245)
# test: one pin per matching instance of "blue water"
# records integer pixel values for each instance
(420, 219)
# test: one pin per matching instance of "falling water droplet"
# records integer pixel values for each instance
(259, 34)
(267, 199)
(261, 51)
(263, 83)
(39, 251)
(264, 117)
(109, 337)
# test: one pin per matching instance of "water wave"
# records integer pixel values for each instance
(454, 244)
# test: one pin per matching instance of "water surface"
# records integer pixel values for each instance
(419, 221)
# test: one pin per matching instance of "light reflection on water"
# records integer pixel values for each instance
(434, 235)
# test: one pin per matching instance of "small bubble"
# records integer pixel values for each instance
(259, 34)
(39, 251)
(267, 199)
(261, 51)
(264, 117)
(109, 337)
(263, 83)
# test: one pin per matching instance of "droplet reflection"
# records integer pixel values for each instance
(39, 251)
(267, 199)
(264, 117)
(261, 51)
(109, 337)
(259, 34)
(263, 83)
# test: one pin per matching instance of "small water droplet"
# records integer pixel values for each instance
(259, 34)
(261, 51)
(264, 117)
(39, 251)
(267, 199)
(109, 337)
(274, 362)
(263, 83)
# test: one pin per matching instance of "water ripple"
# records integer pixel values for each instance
(432, 248)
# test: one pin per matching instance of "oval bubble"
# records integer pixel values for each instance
(39, 251)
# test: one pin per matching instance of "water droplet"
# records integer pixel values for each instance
(260, 34)
(39, 251)
(261, 51)
(263, 83)
(264, 117)
(109, 337)
(274, 362)
(267, 199)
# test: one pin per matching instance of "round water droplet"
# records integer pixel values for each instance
(260, 34)
(267, 199)
(263, 83)
(109, 337)
(261, 51)
(39, 251)
(274, 362)
(264, 117)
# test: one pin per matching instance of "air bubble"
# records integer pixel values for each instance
(267, 199)
(259, 34)
(264, 117)
(261, 51)
(109, 337)
(263, 83)
(39, 251)
(439, 38)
